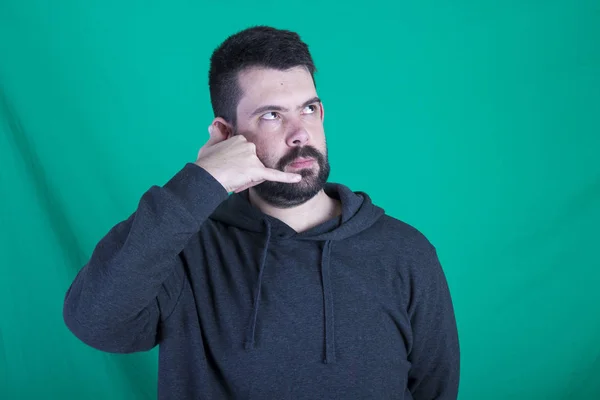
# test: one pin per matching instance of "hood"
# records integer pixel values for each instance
(358, 214)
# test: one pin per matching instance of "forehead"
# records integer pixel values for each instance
(262, 86)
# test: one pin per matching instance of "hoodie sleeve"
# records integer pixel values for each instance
(135, 274)
(434, 354)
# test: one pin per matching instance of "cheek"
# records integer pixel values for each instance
(318, 131)
(266, 154)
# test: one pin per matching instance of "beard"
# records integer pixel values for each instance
(287, 195)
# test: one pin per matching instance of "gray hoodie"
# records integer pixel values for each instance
(243, 307)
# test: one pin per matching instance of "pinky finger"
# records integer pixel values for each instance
(249, 185)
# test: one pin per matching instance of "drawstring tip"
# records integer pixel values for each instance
(249, 345)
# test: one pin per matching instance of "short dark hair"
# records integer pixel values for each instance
(258, 46)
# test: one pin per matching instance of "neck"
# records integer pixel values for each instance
(304, 216)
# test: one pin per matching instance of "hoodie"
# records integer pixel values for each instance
(242, 306)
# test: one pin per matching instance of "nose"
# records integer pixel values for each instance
(298, 137)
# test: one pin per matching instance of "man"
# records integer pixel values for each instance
(256, 277)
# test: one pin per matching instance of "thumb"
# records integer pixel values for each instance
(216, 135)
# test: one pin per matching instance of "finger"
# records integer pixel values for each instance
(280, 176)
(249, 185)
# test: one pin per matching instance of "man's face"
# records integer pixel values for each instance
(280, 113)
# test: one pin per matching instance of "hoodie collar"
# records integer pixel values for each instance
(358, 213)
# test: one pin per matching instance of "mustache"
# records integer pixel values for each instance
(304, 152)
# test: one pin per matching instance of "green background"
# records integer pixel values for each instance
(475, 121)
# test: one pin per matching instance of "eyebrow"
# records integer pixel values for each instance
(266, 108)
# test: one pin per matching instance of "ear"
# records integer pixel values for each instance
(225, 127)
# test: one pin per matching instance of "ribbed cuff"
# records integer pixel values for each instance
(197, 191)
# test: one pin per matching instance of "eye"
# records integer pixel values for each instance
(310, 109)
(270, 116)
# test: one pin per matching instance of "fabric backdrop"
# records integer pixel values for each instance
(475, 121)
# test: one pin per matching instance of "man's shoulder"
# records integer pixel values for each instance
(408, 248)
(400, 232)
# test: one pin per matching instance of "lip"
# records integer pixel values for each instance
(302, 162)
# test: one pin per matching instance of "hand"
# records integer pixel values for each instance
(234, 164)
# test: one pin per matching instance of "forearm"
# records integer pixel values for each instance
(119, 285)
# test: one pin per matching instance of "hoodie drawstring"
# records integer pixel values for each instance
(328, 305)
(327, 300)
(251, 334)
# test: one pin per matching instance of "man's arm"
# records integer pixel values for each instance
(435, 353)
(135, 275)
(113, 303)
